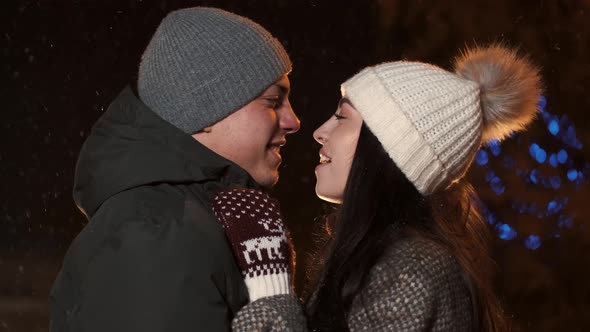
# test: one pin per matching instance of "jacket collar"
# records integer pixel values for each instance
(131, 146)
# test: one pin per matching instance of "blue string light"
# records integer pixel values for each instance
(555, 181)
(565, 221)
(533, 242)
(542, 103)
(506, 232)
(553, 161)
(481, 158)
(538, 153)
(490, 174)
(497, 186)
(553, 208)
(563, 130)
(562, 156)
(494, 146)
(553, 127)
(534, 176)
(572, 174)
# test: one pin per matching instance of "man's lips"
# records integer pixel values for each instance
(275, 148)
(276, 145)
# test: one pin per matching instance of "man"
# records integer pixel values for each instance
(212, 113)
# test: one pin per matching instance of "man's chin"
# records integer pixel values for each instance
(268, 180)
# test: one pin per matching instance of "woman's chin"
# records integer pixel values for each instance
(335, 199)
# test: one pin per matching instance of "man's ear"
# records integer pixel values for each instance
(201, 135)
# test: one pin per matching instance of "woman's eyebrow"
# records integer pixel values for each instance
(344, 100)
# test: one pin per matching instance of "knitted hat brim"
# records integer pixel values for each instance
(401, 140)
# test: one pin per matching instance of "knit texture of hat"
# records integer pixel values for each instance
(431, 122)
(202, 64)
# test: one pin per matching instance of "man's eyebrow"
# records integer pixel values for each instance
(284, 89)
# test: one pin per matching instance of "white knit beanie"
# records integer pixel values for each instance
(432, 122)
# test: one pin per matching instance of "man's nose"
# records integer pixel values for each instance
(288, 120)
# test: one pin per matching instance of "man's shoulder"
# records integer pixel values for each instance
(127, 231)
(143, 202)
(163, 215)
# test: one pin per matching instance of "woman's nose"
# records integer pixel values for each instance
(320, 134)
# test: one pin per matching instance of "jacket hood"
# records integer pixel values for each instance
(131, 146)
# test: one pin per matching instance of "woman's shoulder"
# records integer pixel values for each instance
(416, 283)
(417, 260)
(417, 249)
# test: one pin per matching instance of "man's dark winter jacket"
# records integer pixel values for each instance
(152, 256)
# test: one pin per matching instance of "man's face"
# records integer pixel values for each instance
(252, 136)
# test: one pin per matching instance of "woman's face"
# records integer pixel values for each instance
(339, 136)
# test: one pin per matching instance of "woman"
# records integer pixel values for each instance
(408, 250)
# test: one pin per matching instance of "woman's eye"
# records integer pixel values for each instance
(338, 116)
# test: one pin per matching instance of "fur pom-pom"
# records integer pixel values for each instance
(510, 88)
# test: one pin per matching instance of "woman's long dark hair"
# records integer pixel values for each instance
(377, 198)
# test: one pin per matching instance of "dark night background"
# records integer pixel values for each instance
(64, 61)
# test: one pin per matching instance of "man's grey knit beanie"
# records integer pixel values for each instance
(203, 64)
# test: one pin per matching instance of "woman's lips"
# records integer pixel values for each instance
(324, 158)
